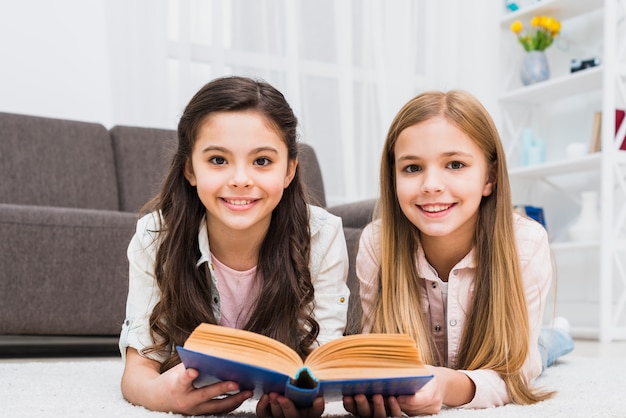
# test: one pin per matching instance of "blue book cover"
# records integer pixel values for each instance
(303, 386)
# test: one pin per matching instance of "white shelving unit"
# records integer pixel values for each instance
(591, 275)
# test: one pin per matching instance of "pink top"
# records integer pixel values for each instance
(447, 324)
(238, 291)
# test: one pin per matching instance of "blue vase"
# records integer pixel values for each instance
(534, 68)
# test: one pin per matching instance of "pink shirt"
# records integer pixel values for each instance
(238, 291)
(447, 325)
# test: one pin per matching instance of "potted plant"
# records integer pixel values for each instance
(535, 40)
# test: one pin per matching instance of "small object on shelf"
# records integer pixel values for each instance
(533, 149)
(533, 212)
(511, 5)
(535, 40)
(596, 133)
(596, 138)
(576, 150)
(587, 226)
(534, 68)
(619, 117)
(577, 64)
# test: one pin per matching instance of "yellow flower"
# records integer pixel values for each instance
(555, 27)
(536, 21)
(540, 35)
(517, 26)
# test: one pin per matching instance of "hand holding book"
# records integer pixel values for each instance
(387, 364)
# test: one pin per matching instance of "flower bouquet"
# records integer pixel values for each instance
(540, 35)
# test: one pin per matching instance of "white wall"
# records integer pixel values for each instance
(54, 59)
(106, 61)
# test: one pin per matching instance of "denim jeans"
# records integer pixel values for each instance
(553, 343)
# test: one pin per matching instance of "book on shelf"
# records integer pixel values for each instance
(619, 118)
(387, 364)
(532, 212)
(596, 135)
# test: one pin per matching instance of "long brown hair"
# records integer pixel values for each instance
(285, 313)
(496, 334)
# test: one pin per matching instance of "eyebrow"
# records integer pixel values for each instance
(448, 154)
(211, 148)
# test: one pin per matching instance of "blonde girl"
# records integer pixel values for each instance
(449, 263)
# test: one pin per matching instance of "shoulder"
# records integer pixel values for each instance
(373, 228)
(150, 223)
(371, 233)
(369, 243)
(147, 229)
(530, 235)
(321, 221)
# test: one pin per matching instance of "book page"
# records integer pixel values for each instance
(367, 356)
(244, 347)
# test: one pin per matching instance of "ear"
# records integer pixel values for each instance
(291, 172)
(490, 184)
(189, 175)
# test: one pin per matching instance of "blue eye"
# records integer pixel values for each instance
(412, 168)
(456, 165)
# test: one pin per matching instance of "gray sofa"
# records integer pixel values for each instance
(70, 193)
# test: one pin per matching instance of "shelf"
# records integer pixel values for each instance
(575, 245)
(556, 183)
(560, 9)
(588, 162)
(583, 81)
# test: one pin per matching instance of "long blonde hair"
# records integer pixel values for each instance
(496, 334)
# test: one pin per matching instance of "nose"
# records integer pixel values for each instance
(431, 181)
(240, 177)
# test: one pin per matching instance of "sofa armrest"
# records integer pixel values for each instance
(355, 214)
(63, 271)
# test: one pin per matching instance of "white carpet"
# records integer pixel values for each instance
(90, 388)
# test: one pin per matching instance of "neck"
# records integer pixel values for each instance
(238, 250)
(444, 253)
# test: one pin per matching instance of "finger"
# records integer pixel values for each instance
(378, 406)
(393, 407)
(288, 408)
(263, 407)
(275, 408)
(223, 405)
(317, 409)
(349, 404)
(218, 389)
(185, 376)
(363, 407)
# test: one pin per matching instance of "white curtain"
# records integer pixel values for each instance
(345, 66)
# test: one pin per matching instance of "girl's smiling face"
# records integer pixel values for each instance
(240, 168)
(441, 177)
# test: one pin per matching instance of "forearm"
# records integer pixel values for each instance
(138, 375)
(457, 388)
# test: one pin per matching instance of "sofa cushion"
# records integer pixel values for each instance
(353, 325)
(142, 157)
(311, 174)
(56, 162)
(64, 271)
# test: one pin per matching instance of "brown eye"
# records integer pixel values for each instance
(217, 160)
(262, 161)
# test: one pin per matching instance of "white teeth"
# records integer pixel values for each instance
(238, 202)
(435, 208)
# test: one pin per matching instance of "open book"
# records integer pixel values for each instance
(368, 364)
